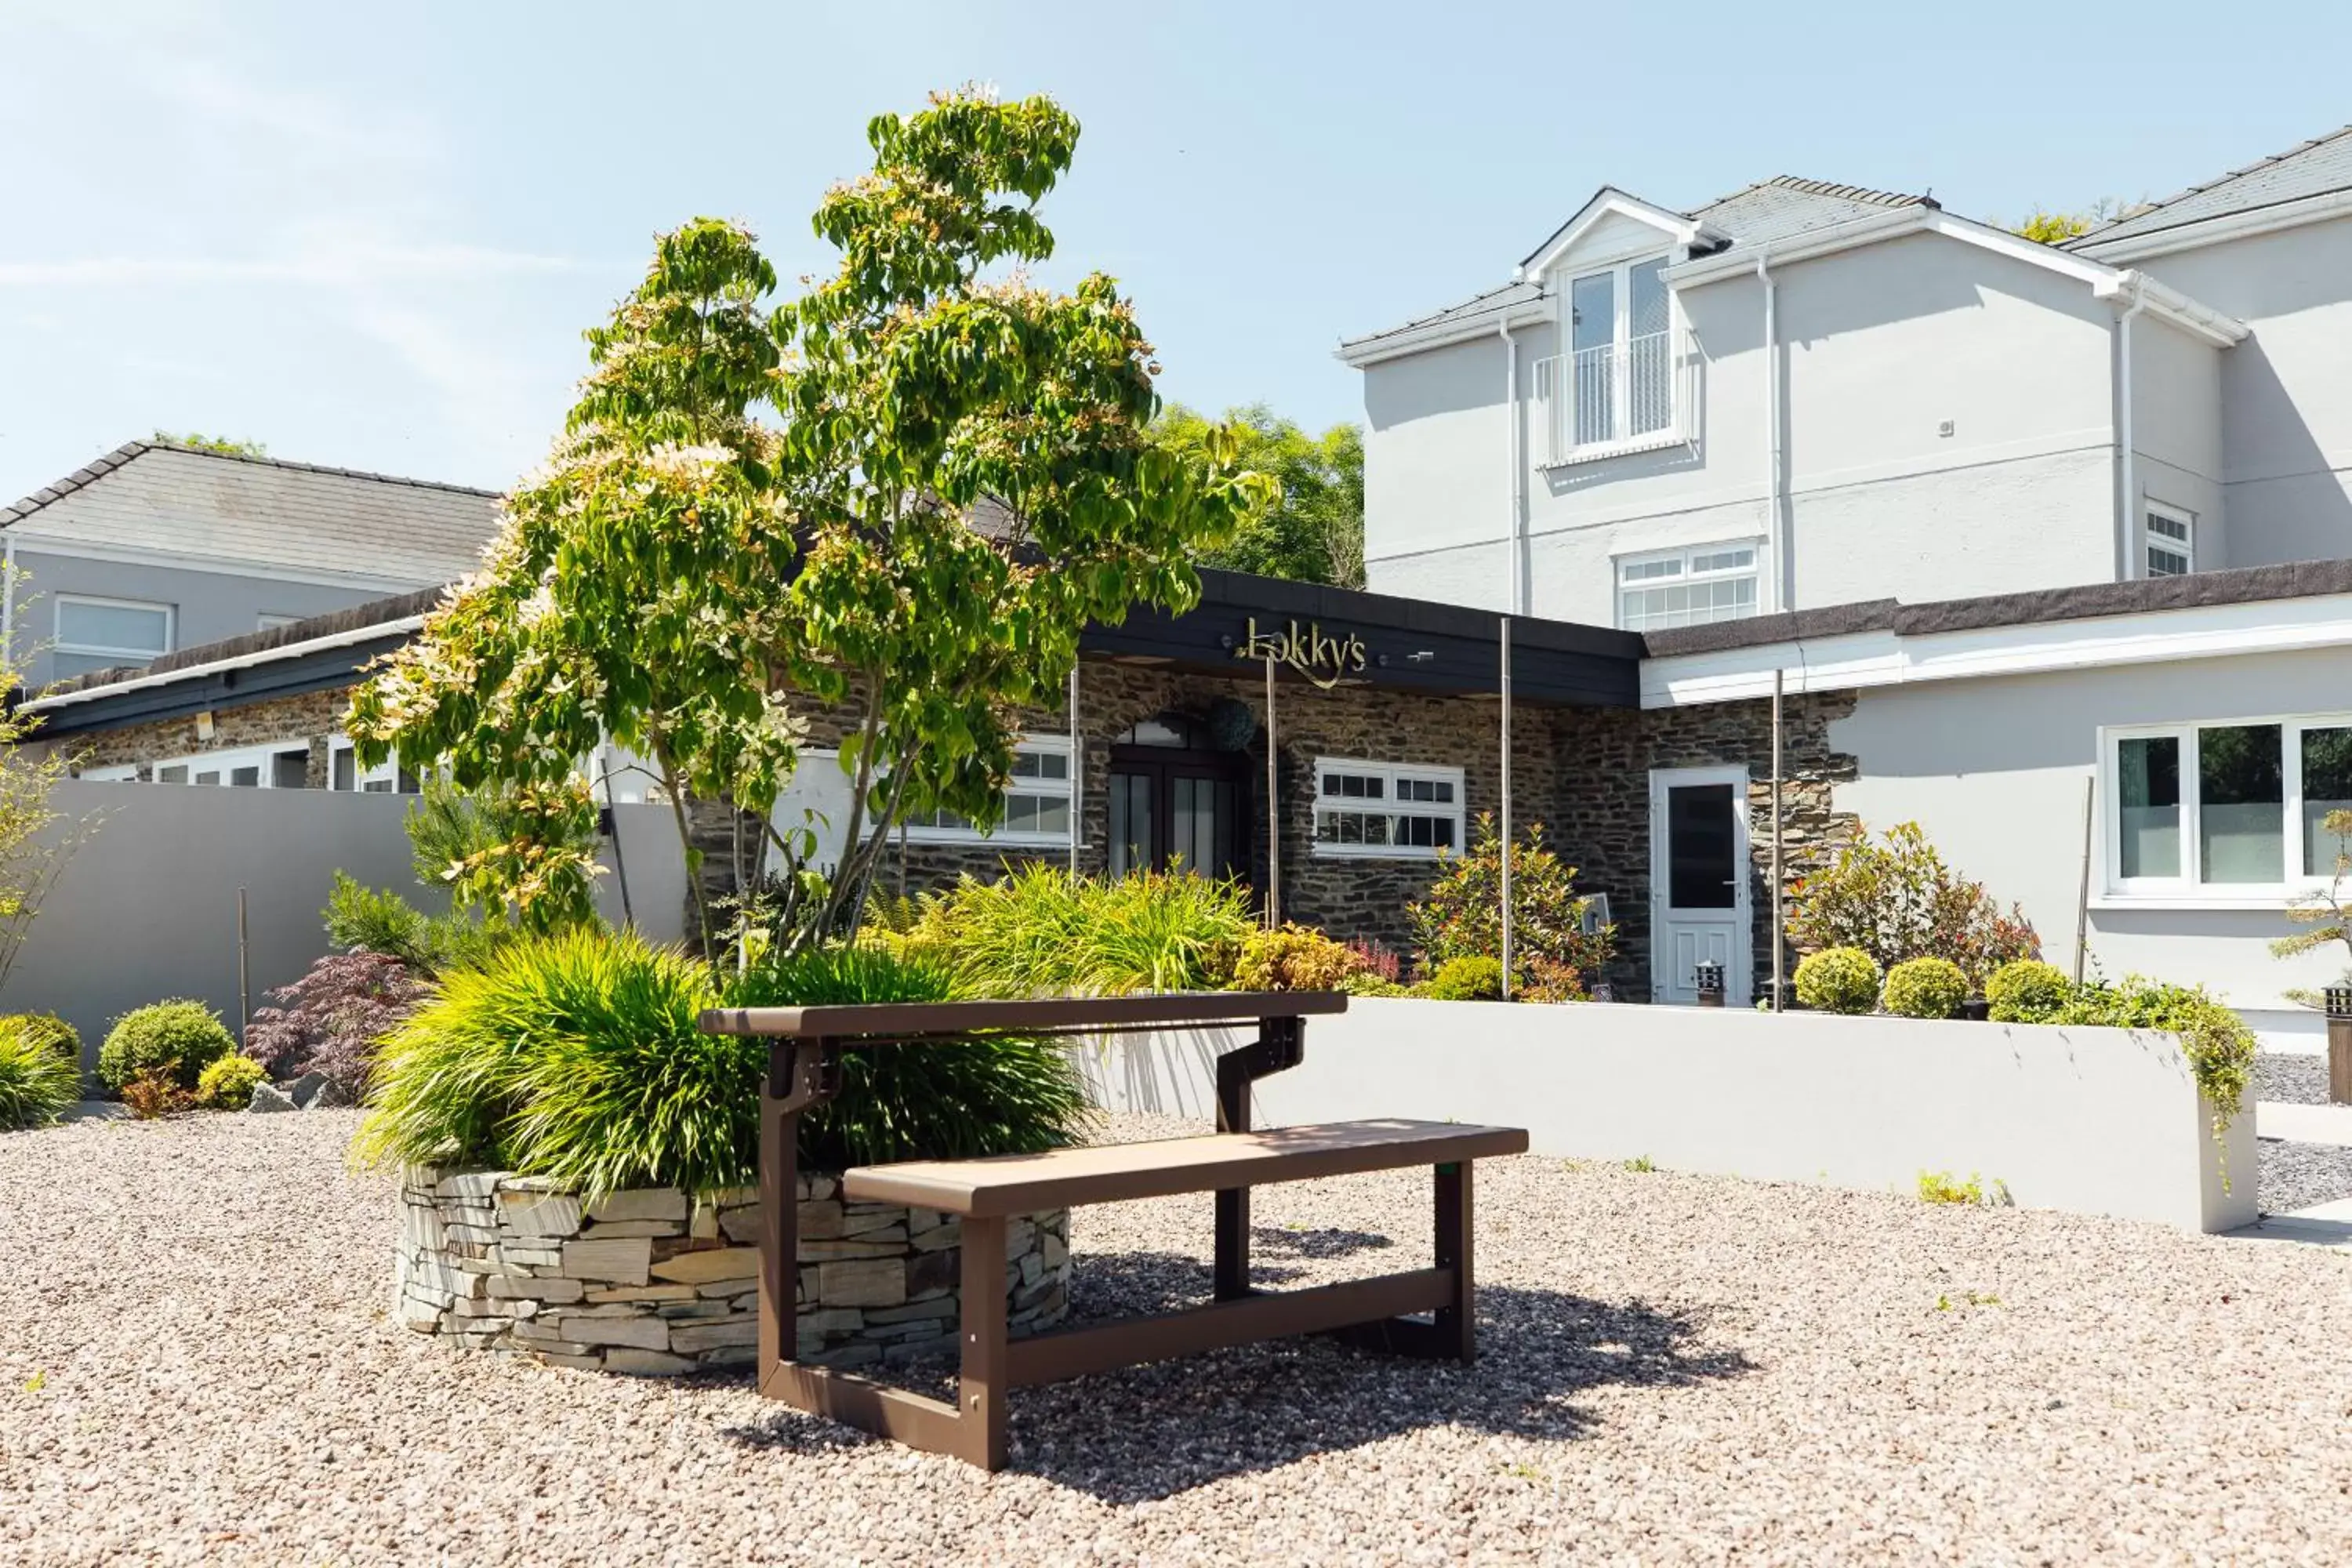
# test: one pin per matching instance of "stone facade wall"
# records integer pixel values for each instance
(310, 718)
(648, 1283)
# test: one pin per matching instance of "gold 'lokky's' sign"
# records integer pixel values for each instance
(1321, 659)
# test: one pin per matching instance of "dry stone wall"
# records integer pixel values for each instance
(650, 1283)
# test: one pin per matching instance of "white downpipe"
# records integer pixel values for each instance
(1515, 590)
(2126, 497)
(1775, 541)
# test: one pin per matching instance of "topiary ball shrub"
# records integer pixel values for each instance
(1467, 979)
(145, 1038)
(60, 1036)
(1838, 980)
(2027, 992)
(37, 1084)
(229, 1084)
(1925, 988)
(1293, 958)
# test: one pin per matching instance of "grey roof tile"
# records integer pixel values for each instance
(1767, 211)
(2311, 168)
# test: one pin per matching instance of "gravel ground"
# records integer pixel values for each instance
(2297, 1078)
(196, 1367)
(2297, 1175)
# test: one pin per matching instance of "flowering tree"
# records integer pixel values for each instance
(960, 482)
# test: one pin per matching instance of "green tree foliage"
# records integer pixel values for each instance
(221, 444)
(961, 480)
(1462, 915)
(1314, 533)
(2047, 227)
(2326, 918)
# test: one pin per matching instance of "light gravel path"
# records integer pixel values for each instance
(195, 1367)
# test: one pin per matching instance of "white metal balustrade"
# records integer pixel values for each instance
(1608, 395)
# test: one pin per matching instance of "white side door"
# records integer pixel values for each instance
(1699, 876)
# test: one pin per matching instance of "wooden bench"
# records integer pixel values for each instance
(805, 1071)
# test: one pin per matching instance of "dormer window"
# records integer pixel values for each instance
(1613, 390)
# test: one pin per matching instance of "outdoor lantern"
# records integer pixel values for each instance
(1709, 979)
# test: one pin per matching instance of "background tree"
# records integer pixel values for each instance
(221, 444)
(2047, 227)
(1314, 533)
(960, 482)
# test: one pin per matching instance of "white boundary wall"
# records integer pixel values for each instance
(147, 907)
(2104, 1121)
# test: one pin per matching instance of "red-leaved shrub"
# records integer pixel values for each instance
(330, 1020)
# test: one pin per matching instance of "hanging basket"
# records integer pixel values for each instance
(1232, 724)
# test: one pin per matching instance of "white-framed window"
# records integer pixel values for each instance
(2171, 541)
(267, 621)
(344, 773)
(1396, 810)
(113, 773)
(1038, 807)
(2227, 809)
(1613, 384)
(100, 634)
(1686, 587)
(283, 766)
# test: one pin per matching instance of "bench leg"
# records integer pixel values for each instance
(979, 1391)
(1456, 1322)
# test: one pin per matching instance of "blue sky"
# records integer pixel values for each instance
(374, 245)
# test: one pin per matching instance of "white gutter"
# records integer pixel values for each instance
(1774, 542)
(237, 661)
(1515, 590)
(2247, 224)
(2128, 506)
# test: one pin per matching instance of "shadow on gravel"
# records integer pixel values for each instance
(1149, 1432)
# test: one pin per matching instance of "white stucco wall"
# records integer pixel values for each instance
(2095, 1121)
(2176, 437)
(1881, 347)
(2286, 399)
(1995, 770)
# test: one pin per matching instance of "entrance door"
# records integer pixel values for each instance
(1175, 803)
(1698, 883)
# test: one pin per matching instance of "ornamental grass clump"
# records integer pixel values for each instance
(37, 1083)
(1046, 932)
(576, 1058)
(1838, 980)
(1925, 988)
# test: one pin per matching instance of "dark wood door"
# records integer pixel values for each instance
(1178, 811)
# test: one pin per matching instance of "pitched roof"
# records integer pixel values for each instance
(2311, 168)
(263, 511)
(1764, 212)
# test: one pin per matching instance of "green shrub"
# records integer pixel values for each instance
(37, 1084)
(1898, 899)
(1364, 983)
(1462, 915)
(187, 1035)
(1838, 980)
(229, 1084)
(576, 1058)
(1293, 958)
(1925, 988)
(48, 1028)
(368, 920)
(1939, 1187)
(1043, 932)
(2027, 992)
(1467, 979)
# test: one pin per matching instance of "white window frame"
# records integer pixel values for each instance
(119, 656)
(223, 761)
(1391, 773)
(386, 770)
(2188, 889)
(1555, 377)
(2151, 542)
(270, 620)
(1687, 575)
(1063, 788)
(112, 773)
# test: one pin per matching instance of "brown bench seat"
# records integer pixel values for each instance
(1163, 1167)
(805, 1071)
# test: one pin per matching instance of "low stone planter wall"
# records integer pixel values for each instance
(647, 1282)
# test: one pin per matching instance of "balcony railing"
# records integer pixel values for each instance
(1605, 397)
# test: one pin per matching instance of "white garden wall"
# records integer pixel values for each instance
(2104, 1121)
